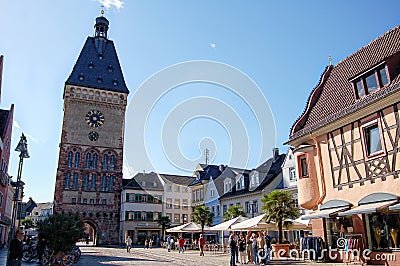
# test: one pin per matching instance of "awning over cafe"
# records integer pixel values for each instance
(395, 207)
(326, 213)
(372, 203)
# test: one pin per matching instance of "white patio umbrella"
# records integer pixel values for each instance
(253, 224)
(227, 224)
(188, 227)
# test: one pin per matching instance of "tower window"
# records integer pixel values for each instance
(85, 182)
(75, 182)
(69, 159)
(67, 180)
(103, 183)
(94, 166)
(112, 162)
(93, 183)
(111, 184)
(77, 159)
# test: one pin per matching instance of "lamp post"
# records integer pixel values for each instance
(22, 148)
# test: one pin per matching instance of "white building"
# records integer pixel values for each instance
(177, 198)
(141, 207)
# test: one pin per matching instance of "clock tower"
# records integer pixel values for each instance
(89, 172)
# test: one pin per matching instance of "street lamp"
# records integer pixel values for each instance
(22, 148)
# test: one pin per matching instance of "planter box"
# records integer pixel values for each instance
(280, 250)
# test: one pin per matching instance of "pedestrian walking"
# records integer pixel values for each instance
(146, 244)
(254, 237)
(249, 242)
(237, 247)
(242, 249)
(169, 243)
(260, 247)
(181, 242)
(202, 242)
(233, 246)
(16, 249)
(128, 243)
(151, 243)
(267, 247)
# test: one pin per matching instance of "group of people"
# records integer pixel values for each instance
(148, 243)
(254, 248)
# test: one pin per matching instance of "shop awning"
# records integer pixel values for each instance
(395, 207)
(326, 213)
(368, 208)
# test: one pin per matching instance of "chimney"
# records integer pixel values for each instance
(221, 167)
(275, 153)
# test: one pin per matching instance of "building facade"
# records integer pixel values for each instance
(178, 198)
(89, 172)
(142, 205)
(348, 151)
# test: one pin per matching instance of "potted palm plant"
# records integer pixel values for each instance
(279, 206)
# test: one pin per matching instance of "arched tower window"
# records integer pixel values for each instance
(75, 181)
(105, 162)
(77, 159)
(69, 159)
(85, 182)
(111, 184)
(88, 160)
(112, 162)
(67, 180)
(93, 183)
(94, 166)
(104, 183)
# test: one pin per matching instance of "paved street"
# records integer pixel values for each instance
(158, 256)
(139, 256)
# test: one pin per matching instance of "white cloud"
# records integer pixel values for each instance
(109, 3)
(16, 125)
(213, 45)
(128, 172)
(32, 138)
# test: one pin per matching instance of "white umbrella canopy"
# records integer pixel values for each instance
(253, 224)
(298, 224)
(227, 224)
(188, 227)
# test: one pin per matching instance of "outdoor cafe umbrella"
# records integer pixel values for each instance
(227, 224)
(188, 227)
(253, 224)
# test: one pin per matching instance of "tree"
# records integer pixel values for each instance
(27, 222)
(164, 222)
(233, 212)
(279, 206)
(202, 216)
(61, 231)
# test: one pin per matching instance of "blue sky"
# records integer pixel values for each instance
(283, 46)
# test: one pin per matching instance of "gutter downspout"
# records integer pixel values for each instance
(321, 170)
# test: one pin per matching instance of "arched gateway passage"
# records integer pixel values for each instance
(91, 231)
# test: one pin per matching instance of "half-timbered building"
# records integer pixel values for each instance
(348, 151)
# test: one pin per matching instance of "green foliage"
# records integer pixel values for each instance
(202, 216)
(164, 222)
(279, 206)
(27, 222)
(61, 231)
(233, 212)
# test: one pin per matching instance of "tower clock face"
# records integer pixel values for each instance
(94, 118)
(93, 136)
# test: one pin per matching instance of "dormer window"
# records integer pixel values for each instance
(254, 179)
(240, 182)
(81, 77)
(227, 185)
(110, 68)
(91, 65)
(371, 81)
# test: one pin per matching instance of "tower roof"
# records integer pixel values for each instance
(98, 65)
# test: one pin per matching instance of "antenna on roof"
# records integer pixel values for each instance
(330, 59)
(207, 156)
(102, 10)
